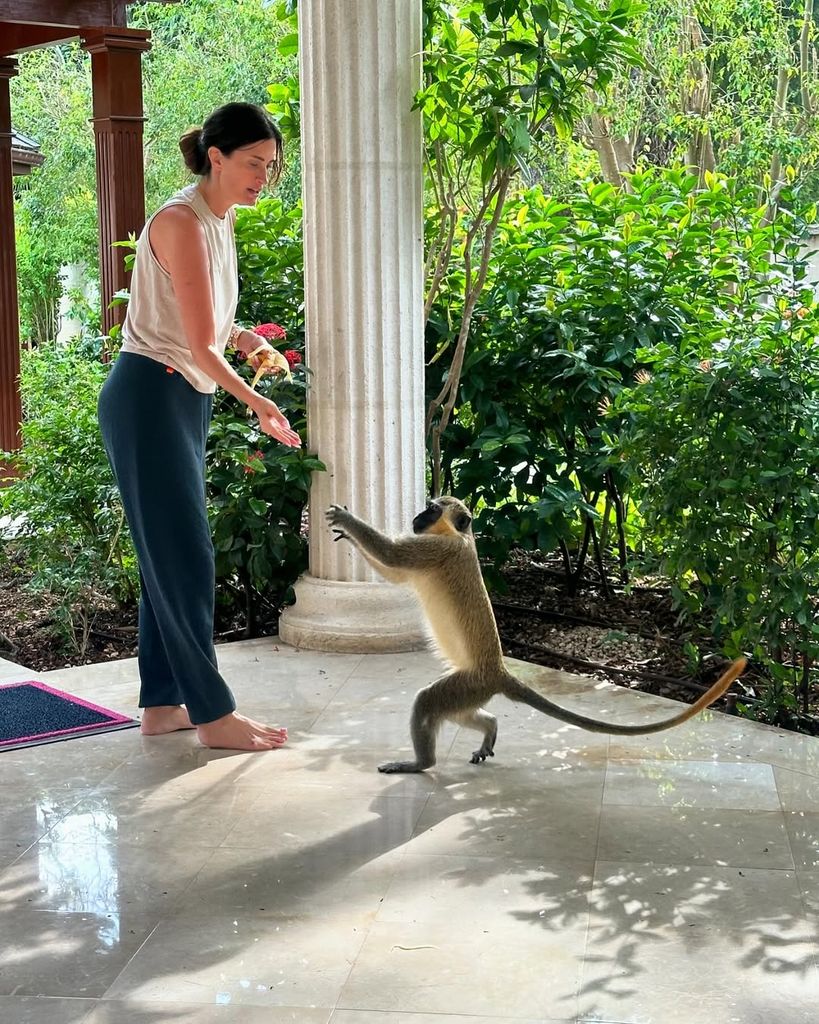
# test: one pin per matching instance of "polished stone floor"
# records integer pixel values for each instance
(666, 880)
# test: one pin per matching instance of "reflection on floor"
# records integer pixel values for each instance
(672, 879)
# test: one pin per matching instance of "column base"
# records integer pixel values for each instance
(359, 618)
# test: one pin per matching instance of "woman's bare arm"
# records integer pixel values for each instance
(178, 242)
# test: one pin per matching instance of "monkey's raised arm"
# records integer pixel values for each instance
(400, 557)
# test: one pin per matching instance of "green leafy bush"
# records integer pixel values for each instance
(257, 488)
(722, 442)
(580, 289)
(66, 520)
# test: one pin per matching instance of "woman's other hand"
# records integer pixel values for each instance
(272, 421)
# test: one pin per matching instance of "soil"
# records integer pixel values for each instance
(630, 636)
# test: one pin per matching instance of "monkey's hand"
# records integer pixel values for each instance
(338, 518)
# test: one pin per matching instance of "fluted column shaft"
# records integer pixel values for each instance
(10, 414)
(363, 250)
(116, 74)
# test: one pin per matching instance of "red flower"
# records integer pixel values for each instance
(292, 356)
(272, 332)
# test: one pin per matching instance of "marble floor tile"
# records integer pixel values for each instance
(797, 791)
(100, 878)
(34, 1010)
(748, 786)
(290, 882)
(809, 885)
(718, 836)
(153, 819)
(687, 974)
(663, 879)
(397, 1017)
(764, 909)
(258, 959)
(44, 953)
(803, 832)
(115, 1011)
(476, 891)
(534, 826)
(29, 811)
(518, 969)
(309, 818)
(10, 851)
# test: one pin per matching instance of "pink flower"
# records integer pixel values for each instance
(292, 356)
(271, 332)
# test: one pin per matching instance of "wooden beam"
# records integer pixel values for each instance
(59, 13)
(19, 38)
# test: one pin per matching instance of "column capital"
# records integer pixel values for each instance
(98, 40)
(8, 67)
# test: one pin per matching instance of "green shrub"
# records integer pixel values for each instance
(67, 522)
(257, 488)
(580, 289)
(722, 442)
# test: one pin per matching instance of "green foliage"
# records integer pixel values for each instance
(257, 491)
(501, 79)
(257, 488)
(271, 261)
(722, 440)
(496, 74)
(714, 70)
(579, 292)
(202, 69)
(67, 519)
(189, 71)
(55, 205)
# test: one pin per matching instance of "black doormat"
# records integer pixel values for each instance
(32, 713)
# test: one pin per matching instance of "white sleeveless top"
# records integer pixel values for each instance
(153, 326)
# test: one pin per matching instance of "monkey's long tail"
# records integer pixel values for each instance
(516, 690)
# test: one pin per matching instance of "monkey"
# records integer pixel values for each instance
(440, 561)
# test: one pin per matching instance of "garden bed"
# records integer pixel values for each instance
(631, 638)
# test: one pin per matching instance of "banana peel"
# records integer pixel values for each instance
(272, 360)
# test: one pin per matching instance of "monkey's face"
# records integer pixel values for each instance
(443, 515)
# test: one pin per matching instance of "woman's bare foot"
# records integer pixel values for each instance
(167, 718)
(235, 732)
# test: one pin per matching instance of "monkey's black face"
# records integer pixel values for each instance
(454, 512)
(431, 514)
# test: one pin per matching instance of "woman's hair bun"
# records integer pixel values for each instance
(193, 151)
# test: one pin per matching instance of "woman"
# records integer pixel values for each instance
(154, 413)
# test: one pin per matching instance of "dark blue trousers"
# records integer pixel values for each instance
(154, 426)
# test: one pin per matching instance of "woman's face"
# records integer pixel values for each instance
(245, 172)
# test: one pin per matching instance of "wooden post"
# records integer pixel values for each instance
(10, 411)
(116, 75)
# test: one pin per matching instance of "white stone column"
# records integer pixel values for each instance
(363, 254)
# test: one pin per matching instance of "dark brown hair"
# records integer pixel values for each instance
(229, 128)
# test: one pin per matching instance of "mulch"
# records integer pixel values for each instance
(632, 637)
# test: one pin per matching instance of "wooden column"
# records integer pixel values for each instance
(116, 74)
(10, 413)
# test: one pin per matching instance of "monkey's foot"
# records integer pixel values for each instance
(394, 767)
(479, 756)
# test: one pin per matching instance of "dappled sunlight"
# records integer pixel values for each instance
(171, 875)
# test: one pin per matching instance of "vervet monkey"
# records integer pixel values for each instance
(441, 562)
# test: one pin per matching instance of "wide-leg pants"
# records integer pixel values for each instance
(154, 426)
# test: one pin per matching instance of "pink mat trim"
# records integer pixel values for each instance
(114, 717)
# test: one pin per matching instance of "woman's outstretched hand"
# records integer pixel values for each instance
(273, 422)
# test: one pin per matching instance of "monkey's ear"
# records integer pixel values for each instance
(462, 521)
